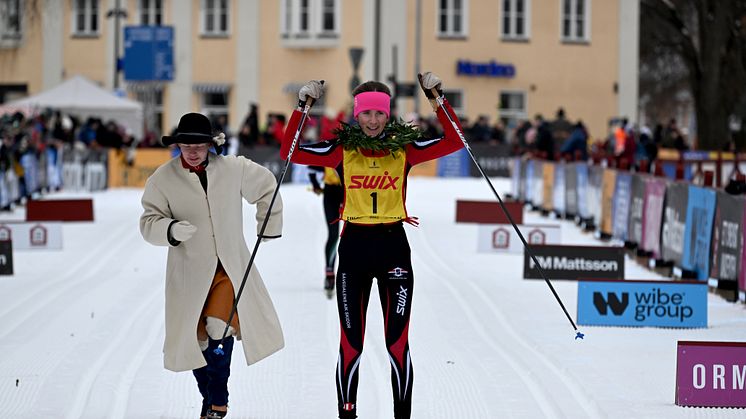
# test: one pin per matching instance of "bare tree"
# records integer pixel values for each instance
(702, 42)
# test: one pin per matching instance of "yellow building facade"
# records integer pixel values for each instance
(505, 59)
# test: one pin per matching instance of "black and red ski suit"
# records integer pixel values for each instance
(368, 251)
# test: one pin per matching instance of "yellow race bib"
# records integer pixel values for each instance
(374, 188)
(331, 177)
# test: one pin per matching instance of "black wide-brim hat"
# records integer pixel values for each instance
(194, 128)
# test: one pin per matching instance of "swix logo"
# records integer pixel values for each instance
(373, 182)
(348, 406)
(402, 300)
(398, 272)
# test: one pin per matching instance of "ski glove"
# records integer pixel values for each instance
(430, 81)
(183, 231)
(314, 89)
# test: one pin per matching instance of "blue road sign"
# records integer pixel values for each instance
(148, 53)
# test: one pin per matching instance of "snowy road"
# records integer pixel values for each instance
(81, 329)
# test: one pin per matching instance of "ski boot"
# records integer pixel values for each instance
(329, 283)
(216, 414)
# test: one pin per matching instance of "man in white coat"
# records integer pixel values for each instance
(193, 204)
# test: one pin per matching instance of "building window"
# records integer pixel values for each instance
(151, 12)
(575, 20)
(515, 19)
(452, 17)
(10, 19)
(456, 99)
(215, 14)
(85, 17)
(309, 22)
(512, 108)
(215, 105)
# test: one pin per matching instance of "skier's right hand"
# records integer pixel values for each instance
(314, 89)
(183, 231)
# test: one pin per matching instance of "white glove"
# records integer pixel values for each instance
(313, 89)
(431, 81)
(183, 231)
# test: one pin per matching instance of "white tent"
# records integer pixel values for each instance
(81, 97)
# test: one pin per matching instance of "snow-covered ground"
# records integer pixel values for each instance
(81, 329)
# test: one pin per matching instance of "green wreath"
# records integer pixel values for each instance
(398, 135)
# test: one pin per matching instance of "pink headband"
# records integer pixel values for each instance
(377, 101)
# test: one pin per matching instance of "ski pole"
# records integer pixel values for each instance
(439, 100)
(304, 116)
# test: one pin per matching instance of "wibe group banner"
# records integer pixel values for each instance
(642, 303)
(700, 213)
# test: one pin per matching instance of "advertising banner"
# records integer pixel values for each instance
(595, 180)
(269, 157)
(457, 163)
(642, 303)
(6, 257)
(558, 195)
(700, 213)
(634, 227)
(548, 179)
(652, 216)
(608, 185)
(493, 158)
(537, 196)
(575, 262)
(488, 212)
(727, 240)
(502, 238)
(742, 276)
(674, 223)
(59, 210)
(32, 236)
(571, 189)
(528, 179)
(711, 374)
(581, 170)
(620, 208)
(133, 172)
(515, 178)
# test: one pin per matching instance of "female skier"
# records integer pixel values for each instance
(373, 159)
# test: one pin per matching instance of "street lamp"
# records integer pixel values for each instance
(117, 13)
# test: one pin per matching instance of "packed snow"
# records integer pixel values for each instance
(81, 329)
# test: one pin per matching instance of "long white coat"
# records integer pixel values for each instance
(174, 193)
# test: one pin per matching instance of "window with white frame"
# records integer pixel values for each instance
(515, 19)
(85, 17)
(575, 20)
(151, 12)
(10, 19)
(215, 17)
(452, 17)
(310, 20)
(512, 107)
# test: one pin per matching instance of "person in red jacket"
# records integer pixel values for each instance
(373, 159)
